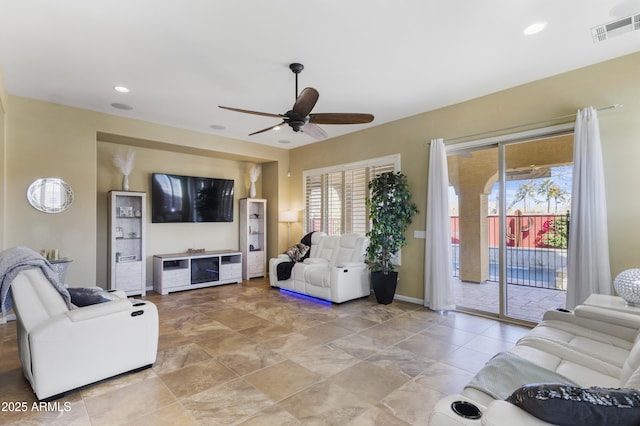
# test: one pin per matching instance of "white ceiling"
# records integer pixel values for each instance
(183, 58)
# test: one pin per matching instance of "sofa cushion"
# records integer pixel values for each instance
(631, 364)
(351, 249)
(569, 405)
(582, 370)
(319, 277)
(327, 247)
(316, 240)
(599, 345)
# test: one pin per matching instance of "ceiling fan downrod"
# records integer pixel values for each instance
(297, 69)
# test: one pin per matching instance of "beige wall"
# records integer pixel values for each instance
(45, 139)
(3, 156)
(165, 238)
(603, 84)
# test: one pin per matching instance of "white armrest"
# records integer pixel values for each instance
(119, 293)
(608, 315)
(501, 412)
(497, 413)
(620, 324)
(315, 260)
(283, 256)
(98, 310)
(351, 265)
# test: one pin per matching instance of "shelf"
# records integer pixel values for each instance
(175, 268)
(253, 236)
(188, 271)
(127, 215)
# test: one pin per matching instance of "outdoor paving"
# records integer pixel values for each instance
(523, 302)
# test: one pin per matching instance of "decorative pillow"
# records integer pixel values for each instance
(570, 405)
(88, 296)
(297, 251)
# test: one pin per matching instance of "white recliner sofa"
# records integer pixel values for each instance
(592, 346)
(335, 269)
(62, 349)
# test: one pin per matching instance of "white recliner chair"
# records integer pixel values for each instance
(62, 349)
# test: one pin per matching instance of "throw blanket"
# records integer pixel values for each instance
(506, 372)
(17, 259)
(283, 269)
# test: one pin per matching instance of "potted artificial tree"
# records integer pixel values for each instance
(391, 212)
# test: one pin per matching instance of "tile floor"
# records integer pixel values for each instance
(248, 354)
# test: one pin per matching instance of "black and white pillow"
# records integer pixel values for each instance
(297, 252)
(569, 405)
(81, 296)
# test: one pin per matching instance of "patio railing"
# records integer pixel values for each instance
(536, 249)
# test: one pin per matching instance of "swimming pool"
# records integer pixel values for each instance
(531, 276)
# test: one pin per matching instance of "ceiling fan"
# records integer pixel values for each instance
(300, 119)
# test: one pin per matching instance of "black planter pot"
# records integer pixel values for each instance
(384, 286)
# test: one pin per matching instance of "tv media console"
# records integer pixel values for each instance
(188, 271)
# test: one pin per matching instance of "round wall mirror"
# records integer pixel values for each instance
(50, 195)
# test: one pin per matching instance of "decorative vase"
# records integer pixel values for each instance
(627, 285)
(125, 183)
(252, 190)
(384, 286)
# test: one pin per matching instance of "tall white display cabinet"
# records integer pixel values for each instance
(253, 237)
(127, 215)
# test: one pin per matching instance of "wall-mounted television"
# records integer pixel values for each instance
(176, 198)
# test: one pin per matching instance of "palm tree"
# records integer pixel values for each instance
(560, 195)
(546, 188)
(549, 190)
(526, 190)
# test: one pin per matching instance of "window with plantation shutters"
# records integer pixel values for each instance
(384, 168)
(313, 202)
(335, 197)
(355, 194)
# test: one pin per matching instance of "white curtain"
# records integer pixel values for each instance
(438, 291)
(588, 254)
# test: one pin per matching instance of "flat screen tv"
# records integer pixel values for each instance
(176, 198)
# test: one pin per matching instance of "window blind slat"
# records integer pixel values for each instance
(335, 201)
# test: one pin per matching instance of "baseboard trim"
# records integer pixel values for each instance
(409, 299)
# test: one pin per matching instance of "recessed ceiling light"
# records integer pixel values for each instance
(217, 127)
(121, 89)
(117, 105)
(284, 141)
(534, 28)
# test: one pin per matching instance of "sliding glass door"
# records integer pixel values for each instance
(472, 175)
(509, 220)
(537, 194)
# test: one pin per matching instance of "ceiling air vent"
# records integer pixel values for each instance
(615, 28)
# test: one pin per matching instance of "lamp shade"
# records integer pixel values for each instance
(288, 216)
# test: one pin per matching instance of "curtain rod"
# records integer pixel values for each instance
(519, 126)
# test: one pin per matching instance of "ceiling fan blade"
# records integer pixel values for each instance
(314, 131)
(306, 101)
(267, 129)
(246, 111)
(340, 118)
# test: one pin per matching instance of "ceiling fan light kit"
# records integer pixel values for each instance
(300, 119)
